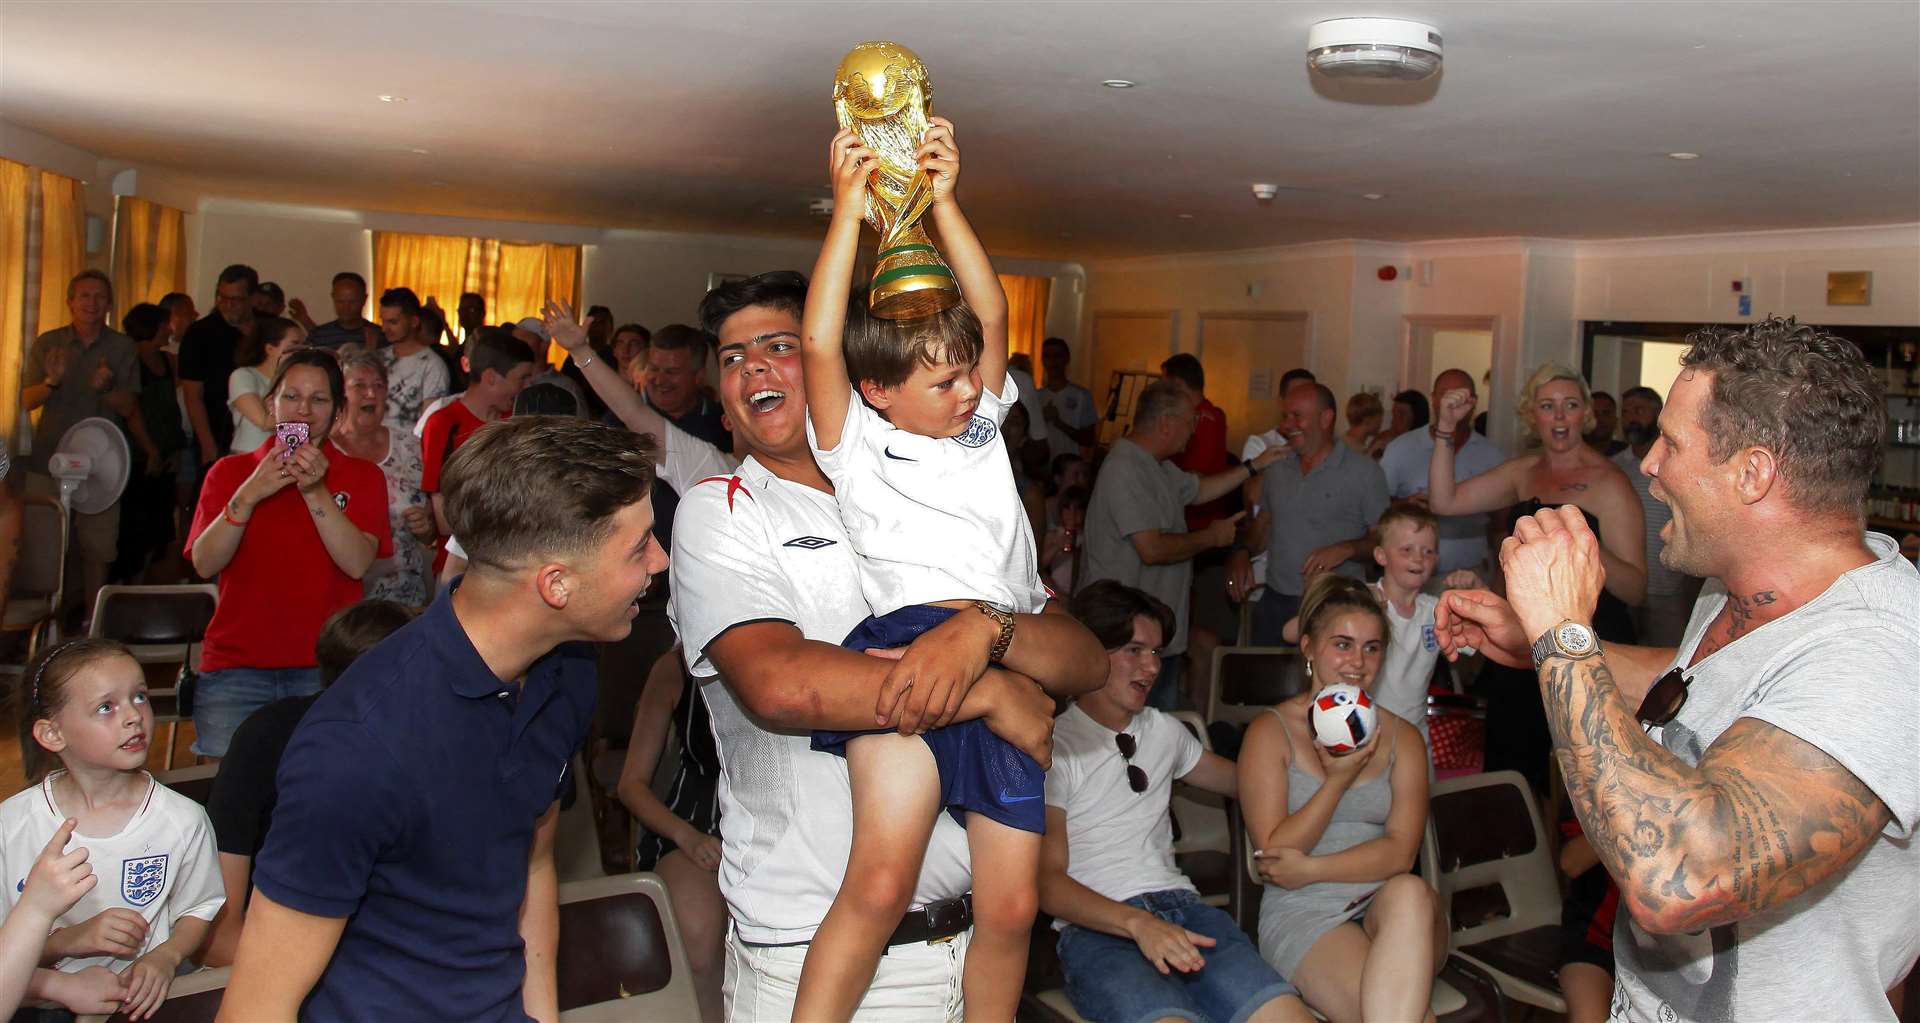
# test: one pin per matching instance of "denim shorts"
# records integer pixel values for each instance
(222, 699)
(1109, 981)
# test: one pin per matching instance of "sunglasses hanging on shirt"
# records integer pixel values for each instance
(1136, 778)
(1663, 702)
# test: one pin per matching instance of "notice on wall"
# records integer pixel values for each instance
(1260, 385)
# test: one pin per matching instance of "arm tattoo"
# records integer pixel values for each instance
(1764, 816)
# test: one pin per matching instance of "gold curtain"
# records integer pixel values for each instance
(13, 290)
(516, 279)
(149, 252)
(434, 266)
(1026, 313)
(63, 245)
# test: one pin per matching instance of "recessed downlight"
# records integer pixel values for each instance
(1683, 156)
(1374, 195)
(1186, 216)
(387, 97)
(417, 151)
(1119, 83)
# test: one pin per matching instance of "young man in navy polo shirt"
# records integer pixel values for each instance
(409, 873)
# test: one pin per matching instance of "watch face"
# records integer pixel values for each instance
(1574, 638)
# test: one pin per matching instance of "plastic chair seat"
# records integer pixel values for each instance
(1531, 956)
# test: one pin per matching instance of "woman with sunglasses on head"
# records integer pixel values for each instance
(1336, 836)
(1136, 942)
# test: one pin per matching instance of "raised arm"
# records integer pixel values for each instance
(1492, 489)
(939, 156)
(824, 323)
(622, 400)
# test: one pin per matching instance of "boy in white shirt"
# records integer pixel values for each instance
(927, 496)
(1408, 553)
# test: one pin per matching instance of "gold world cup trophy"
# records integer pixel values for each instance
(882, 92)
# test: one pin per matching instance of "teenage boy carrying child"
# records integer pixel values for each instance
(905, 423)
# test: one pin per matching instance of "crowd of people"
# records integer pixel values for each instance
(928, 635)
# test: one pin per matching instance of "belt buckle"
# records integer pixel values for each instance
(943, 915)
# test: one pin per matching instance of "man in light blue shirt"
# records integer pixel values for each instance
(1463, 538)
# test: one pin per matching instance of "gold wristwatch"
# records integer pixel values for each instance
(1003, 616)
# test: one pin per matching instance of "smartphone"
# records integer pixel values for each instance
(291, 435)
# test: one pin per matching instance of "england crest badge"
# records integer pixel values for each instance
(980, 430)
(142, 879)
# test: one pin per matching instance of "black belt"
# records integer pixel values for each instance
(934, 921)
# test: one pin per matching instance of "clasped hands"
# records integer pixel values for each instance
(1554, 574)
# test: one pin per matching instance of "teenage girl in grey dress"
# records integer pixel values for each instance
(1341, 916)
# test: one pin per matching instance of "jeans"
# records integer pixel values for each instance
(222, 699)
(1271, 613)
(1109, 981)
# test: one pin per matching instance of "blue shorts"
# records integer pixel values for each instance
(979, 771)
(1110, 981)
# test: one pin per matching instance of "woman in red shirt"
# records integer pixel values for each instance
(289, 535)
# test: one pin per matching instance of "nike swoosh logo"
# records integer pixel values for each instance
(898, 458)
(1008, 797)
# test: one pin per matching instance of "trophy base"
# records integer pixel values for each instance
(909, 298)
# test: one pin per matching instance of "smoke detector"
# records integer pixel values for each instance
(821, 207)
(1383, 49)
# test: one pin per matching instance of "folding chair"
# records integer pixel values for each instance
(1249, 679)
(1487, 855)
(160, 625)
(39, 576)
(1203, 835)
(620, 954)
(195, 783)
(193, 998)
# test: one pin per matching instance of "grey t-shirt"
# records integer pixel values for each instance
(1839, 673)
(75, 399)
(1339, 500)
(1136, 492)
(1661, 580)
(1406, 461)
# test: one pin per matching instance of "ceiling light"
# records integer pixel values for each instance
(1384, 49)
(418, 151)
(1374, 195)
(1186, 216)
(387, 97)
(1119, 83)
(1683, 156)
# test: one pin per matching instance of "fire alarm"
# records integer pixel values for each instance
(1388, 273)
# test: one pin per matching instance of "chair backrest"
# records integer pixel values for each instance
(620, 952)
(159, 623)
(1488, 851)
(195, 783)
(41, 570)
(1249, 679)
(193, 998)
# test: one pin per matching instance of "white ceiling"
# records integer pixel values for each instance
(1550, 119)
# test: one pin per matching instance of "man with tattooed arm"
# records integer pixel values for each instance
(1758, 810)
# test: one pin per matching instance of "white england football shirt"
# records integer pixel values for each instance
(163, 865)
(934, 518)
(749, 548)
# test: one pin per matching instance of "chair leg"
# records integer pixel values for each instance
(173, 739)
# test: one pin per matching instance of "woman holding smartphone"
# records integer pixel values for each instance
(289, 528)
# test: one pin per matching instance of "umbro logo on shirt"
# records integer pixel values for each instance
(808, 543)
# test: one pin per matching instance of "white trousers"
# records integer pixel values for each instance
(914, 983)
